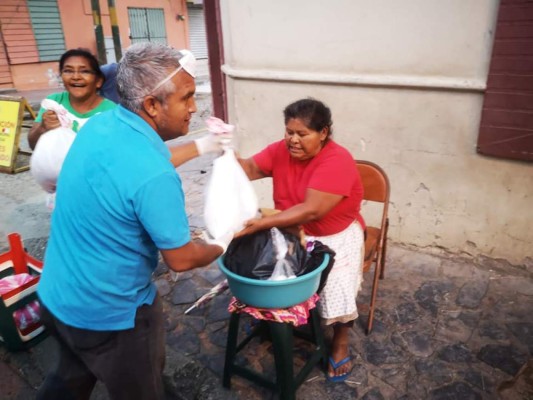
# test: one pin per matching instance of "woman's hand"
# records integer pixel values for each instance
(50, 121)
(252, 226)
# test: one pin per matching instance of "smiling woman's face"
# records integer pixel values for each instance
(79, 78)
(303, 143)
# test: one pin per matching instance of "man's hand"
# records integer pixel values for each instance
(213, 142)
(222, 241)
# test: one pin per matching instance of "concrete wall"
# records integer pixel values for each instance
(405, 84)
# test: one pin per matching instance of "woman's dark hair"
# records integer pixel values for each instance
(79, 52)
(313, 113)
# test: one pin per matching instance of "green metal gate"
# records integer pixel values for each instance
(147, 25)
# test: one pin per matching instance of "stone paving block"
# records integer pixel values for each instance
(417, 344)
(212, 274)
(436, 371)
(163, 287)
(218, 309)
(426, 266)
(455, 353)
(457, 390)
(184, 292)
(395, 376)
(13, 386)
(451, 328)
(493, 330)
(383, 353)
(520, 386)
(506, 358)
(469, 318)
(340, 391)
(517, 284)
(478, 379)
(471, 294)
(187, 343)
(523, 331)
(197, 324)
(431, 295)
(407, 313)
(373, 394)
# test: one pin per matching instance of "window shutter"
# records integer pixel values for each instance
(506, 129)
(47, 29)
(147, 25)
(197, 35)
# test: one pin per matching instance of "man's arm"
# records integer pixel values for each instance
(182, 153)
(210, 143)
(194, 254)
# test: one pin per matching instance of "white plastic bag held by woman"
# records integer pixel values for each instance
(52, 148)
(230, 199)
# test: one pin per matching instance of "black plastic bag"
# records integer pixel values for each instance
(316, 251)
(254, 256)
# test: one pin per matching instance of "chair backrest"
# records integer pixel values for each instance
(375, 182)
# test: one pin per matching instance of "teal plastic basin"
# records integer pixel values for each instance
(274, 294)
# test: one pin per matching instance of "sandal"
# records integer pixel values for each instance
(339, 378)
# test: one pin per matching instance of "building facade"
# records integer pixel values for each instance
(34, 33)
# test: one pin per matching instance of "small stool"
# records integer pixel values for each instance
(282, 340)
(18, 261)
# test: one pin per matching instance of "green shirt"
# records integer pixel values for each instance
(63, 99)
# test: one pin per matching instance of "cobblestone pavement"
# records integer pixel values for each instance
(446, 327)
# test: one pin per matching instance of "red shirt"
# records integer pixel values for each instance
(332, 170)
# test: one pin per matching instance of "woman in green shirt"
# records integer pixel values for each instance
(82, 79)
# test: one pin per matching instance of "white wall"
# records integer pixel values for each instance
(405, 84)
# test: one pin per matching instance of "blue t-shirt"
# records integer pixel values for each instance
(119, 200)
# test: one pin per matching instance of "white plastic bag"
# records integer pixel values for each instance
(48, 156)
(282, 269)
(230, 199)
(52, 147)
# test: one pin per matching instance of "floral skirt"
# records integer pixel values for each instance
(337, 299)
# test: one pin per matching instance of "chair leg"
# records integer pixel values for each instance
(231, 349)
(384, 250)
(375, 282)
(282, 340)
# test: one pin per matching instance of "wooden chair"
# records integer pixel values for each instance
(376, 189)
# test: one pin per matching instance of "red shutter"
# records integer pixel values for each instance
(6, 81)
(506, 129)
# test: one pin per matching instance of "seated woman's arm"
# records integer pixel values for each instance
(49, 121)
(251, 169)
(315, 206)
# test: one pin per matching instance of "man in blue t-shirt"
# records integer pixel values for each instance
(119, 204)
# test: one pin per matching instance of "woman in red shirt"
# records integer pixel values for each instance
(317, 185)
